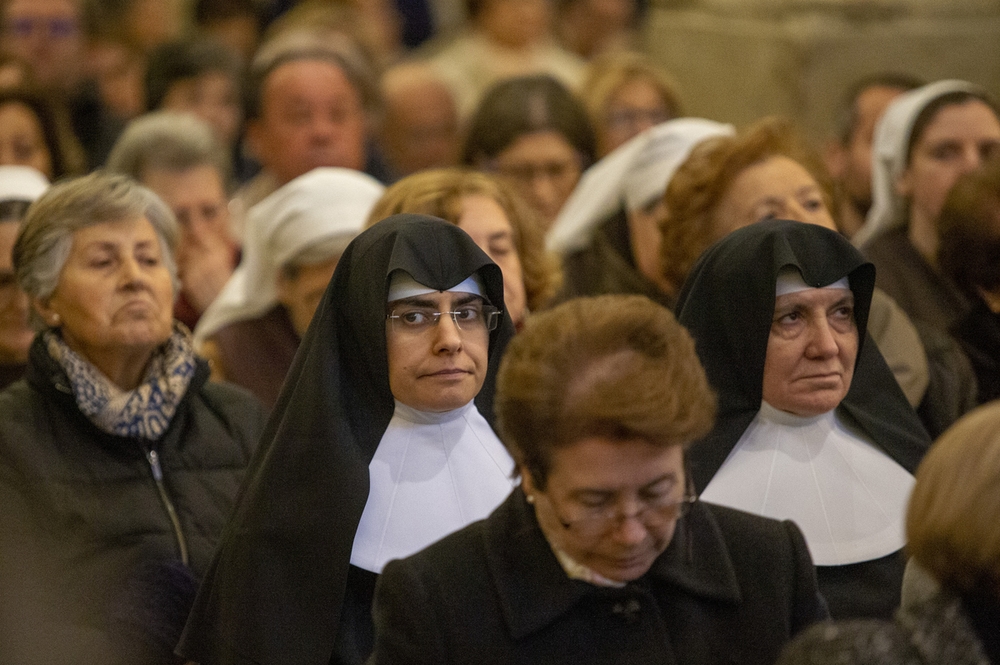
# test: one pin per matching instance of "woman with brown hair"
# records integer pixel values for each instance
(498, 220)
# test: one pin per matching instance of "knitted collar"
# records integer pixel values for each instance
(144, 412)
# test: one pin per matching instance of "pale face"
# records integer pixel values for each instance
(49, 35)
(442, 368)
(955, 142)
(622, 476)
(776, 188)
(635, 106)
(311, 116)
(213, 97)
(544, 167)
(487, 224)
(301, 294)
(114, 297)
(15, 332)
(811, 351)
(21, 140)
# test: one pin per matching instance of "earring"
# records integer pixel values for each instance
(531, 498)
(55, 320)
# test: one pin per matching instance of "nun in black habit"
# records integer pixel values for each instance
(347, 477)
(840, 468)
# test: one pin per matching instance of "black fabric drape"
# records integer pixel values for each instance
(727, 303)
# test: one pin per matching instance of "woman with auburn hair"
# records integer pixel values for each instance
(951, 527)
(498, 220)
(769, 171)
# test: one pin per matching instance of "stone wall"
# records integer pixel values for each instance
(738, 60)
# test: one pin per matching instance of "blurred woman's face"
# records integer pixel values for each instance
(114, 299)
(635, 106)
(544, 167)
(15, 332)
(777, 187)
(487, 224)
(22, 142)
(610, 505)
(956, 141)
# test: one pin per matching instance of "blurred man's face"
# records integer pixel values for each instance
(49, 35)
(856, 178)
(420, 129)
(311, 115)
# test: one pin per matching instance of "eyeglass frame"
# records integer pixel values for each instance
(490, 317)
(616, 516)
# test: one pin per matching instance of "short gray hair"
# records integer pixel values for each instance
(46, 236)
(169, 141)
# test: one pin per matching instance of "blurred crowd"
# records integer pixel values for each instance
(290, 291)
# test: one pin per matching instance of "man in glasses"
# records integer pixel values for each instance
(603, 554)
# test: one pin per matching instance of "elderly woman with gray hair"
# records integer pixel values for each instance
(119, 463)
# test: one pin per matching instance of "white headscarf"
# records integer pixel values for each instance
(635, 173)
(320, 205)
(889, 148)
(21, 183)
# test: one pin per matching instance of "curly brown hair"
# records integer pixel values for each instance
(699, 185)
(439, 192)
(617, 366)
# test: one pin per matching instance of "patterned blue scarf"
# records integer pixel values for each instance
(144, 412)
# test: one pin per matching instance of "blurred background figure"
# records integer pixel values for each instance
(19, 186)
(203, 77)
(497, 219)
(926, 139)
(311, 100)
(51, 36)
(236, 24)
(119, 461)
(625, 93)
(951, 532)
(35, 132)
(176, 155)
(591, 28)
(767, 172)
(504, 39)
(969, 254)
(848, 155)
(419, 122)
(812, 426)
(296, 238)
(608, 232)
(534, 132)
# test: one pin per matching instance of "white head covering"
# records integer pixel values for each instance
(635, 173)
(889, 148)
(21, 183)
(318, 206)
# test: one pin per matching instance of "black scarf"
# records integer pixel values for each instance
(727, 303)
(275, 590)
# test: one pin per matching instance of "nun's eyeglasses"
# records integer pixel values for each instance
(468, 317)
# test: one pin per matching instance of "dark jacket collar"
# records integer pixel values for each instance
(535, 590)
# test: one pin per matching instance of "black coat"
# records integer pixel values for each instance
(89, 556)
(730, 588)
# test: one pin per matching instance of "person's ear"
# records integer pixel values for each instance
(43, 308)
(527, 484)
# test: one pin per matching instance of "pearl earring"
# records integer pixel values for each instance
(531, 498)
(55, 320)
